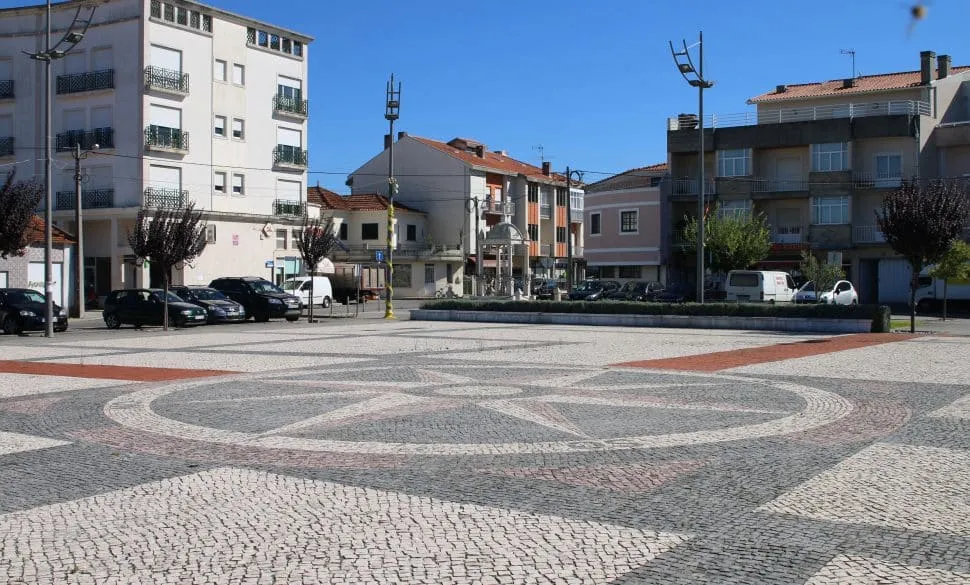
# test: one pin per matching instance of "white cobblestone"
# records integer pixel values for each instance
(853, 570)
(18, 443)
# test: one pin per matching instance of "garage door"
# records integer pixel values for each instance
(894, 278)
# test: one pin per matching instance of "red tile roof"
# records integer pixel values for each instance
(633, 178)
(35, 233)
(863, 84)
(492, 161)
(328, 200)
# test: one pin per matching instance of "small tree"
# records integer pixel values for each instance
(822, 274)
(919, 223)
(955, 265)
(315, 243)
(168, 237)
(18, 202)
(733, 242)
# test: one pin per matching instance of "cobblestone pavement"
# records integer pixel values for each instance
(456, 453)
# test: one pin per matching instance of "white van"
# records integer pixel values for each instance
(759, 286)
(300, 286)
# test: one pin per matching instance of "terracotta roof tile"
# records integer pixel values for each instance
(35, 232)
(633, 178)
(325, 198)
(492, 160)
(328, 200)
(863, 84)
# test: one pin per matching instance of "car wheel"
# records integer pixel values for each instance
(327, 301)
(11, 326)
(292, 318)
(261, 317)
(112, 321)
(173, 322)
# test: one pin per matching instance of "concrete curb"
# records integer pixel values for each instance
(800, 324)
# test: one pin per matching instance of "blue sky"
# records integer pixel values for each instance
(592, 82)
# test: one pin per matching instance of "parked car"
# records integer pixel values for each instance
(593, 290)
(146, 306)
(841, 293)
(300, 287)
(759, 286)
(635, 290)
(218, 307)
(24, 309)
(672, 293)
(262, 299)
(545, 288)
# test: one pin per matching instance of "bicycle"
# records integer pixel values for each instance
(445, 293)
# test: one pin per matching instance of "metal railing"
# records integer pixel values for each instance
(285, 207)
(90, 199)
(870, 180)
(88, 139)
(166, 138)
(90, 81)
(290, 155)
(285, 105)
(687, 186)
(867, 234)
(503, 207)
(6, 89)
(166, 80)
(767, 185)
(545, 211)
(803, 114)
(165, 197)
(787, 234)
(7, 146)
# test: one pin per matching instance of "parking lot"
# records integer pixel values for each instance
(368, 451)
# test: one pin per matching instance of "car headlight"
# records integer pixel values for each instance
(217, 310)
(26, 313)
(187, 312)
(276, 301)
(62, 313)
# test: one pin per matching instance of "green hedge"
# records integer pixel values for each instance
(879, 315)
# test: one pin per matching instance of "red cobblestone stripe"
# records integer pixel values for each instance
(736, 358)
(129, 373)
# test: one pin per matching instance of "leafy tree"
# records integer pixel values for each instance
(732, 242)
(822, 274)
(315, 243)
(955, 265)
(18, 201)
(920, 222)
(168, 237)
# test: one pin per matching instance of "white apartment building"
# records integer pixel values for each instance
(171, 102)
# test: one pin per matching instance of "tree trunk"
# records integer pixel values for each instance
(309, 318)
(912, 298)
(165, 300)
(944, 299)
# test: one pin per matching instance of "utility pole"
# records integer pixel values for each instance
(79, 232)
(391, 113)
(569, 226)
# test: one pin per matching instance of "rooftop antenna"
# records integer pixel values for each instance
(850, 52)
(542, 156)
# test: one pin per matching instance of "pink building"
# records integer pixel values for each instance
(623, 225)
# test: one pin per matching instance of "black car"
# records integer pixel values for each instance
(674, 293)
(146, 306)
(635, 290)
(262, 299)
(593, 290)
(24, 309)
(545, 288)
(219, 307)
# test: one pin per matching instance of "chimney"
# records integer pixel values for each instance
(943, 66)
(387, 141)
(501, 152)
(546, 168)
(480, 151)
(927, 72)
(781, 88)
(401, 135)
(847, 83)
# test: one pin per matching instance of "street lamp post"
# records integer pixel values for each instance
(569, 225)
(391, 113)
(78, 154)
(686, 67)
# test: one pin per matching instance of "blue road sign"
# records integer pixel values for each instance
(379, 255)
(269, 263)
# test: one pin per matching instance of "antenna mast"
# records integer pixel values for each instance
(850, 52)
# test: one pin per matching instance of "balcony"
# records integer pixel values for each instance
(166, 80)
(90, 199)
(293, 107)
(501, 207)
(786, 234)
(6, 89)
(830, 236)
(867, 234)
(290, 156)
(892, 180)
(803, 114)
(289, 208)
(165, 139)
(687, 186)
(6, 146)
(780, 185)
(86, 139)
(953, 134)
(90, 81)
(156, 197)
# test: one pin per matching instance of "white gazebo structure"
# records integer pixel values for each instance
(503, 237)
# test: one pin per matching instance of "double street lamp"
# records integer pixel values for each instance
(569, 225)
(695, 78)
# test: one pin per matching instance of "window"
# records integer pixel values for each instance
(183, 16)
(533, 193)
(628, 222)
(156, 9)
(195, 20)
(219, 127)
(561, 196)
(169, 13)
(274, 42)
(561, 235)
(830, 210)
(830, 157)
(607, 271)
(412, 233)
(237, 129)
(343, 232)
(595, 225)
(368, 231)
(545, 205)
(237, 183)
(207, 22)
(210, 234)
(737, 208)
(533, 232)
(298, 48)
(238, 74)
(263, 39)
(734, 163)
(281, 239)
(287, 46)
(628, 272)
(296, 235)
(889, 169)
(219, 183)
(219, 70)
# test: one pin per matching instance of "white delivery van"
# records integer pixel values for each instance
(759, 286)
(929, 294)
(300, 286)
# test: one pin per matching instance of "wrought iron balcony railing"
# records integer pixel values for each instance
(689, 186)
(90, 81)
(87, 139)
(165, 197)
(291, 106)
(787, 234)
(867, 234)
(6, 89)
(285, 207)
(6, 146)
(90, 199)
(166, 80)
(803, 114)
(501, 207)
(290, 156)
(165, 138)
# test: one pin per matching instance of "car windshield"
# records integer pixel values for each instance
(265, 286)
(291, 285)
(808, 287)
(629, 287)
(208, 294)
(30, 296)
(171, 297)
(589, 286)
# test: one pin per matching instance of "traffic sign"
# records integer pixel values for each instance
(269, 264)
(379, 255)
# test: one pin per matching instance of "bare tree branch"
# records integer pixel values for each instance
(18, 202)
(317, 240)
